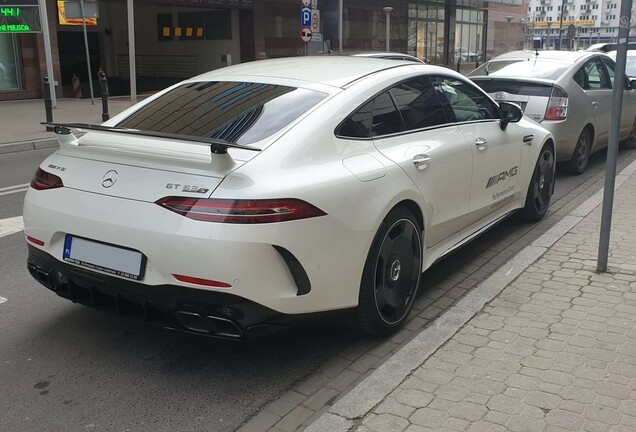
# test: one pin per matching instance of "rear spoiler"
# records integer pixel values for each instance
(216, 146)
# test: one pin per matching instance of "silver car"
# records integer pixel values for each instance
(567, 92)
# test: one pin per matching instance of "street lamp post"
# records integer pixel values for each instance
(431, 47)
(388, 10)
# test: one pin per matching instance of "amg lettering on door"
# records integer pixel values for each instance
(502, 176)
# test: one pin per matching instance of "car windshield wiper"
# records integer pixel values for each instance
(217, 146)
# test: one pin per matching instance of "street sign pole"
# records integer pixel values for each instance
(612, 149)
(47, 51)
(88, 57)
(131, 52)
(340, 23)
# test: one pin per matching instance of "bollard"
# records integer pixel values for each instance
(103, 84)
(476, 64)
(48, 103)
(458, 65)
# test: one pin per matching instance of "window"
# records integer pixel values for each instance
(467, 102)
(238, 112)
(213, 25)
(164, 27)
(418, 104)
(358, 124)
(10, 61)
(386, 118)
(593, 76)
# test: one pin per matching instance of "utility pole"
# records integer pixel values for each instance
(88, 57)
(561, 24)
(612, 148)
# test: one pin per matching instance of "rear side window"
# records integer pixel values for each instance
(238, 112)
(386, 118)
(418, 104)
(593, 76)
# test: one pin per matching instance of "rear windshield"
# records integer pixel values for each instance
(514, 87)
(238, 112)
(519, 68)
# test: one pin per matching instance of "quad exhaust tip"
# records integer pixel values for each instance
(211, 325)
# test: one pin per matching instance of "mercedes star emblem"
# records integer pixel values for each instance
(110, 178)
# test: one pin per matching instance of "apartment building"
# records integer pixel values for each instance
(575, 24)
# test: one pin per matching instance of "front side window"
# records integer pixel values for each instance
(418, 104)
(238, 112)
(467, 103)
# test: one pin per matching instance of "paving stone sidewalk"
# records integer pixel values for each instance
(555, 351)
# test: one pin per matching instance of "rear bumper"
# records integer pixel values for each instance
(176, 307)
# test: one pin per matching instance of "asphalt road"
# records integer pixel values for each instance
(67, 367)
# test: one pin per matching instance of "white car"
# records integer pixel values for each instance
(266, 191)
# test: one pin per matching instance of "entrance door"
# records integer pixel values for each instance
(73, 60)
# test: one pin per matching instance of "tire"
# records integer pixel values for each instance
(541, 186)
(630, 142)
(391, 274)
(581, 155)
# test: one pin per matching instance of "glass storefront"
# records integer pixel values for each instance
(9, 63)
(426, 38)
(469, 35)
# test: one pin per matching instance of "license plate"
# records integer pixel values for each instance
(107, 258)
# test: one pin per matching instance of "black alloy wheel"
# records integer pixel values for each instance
(581, 155)
(541, 186)
(391, 274)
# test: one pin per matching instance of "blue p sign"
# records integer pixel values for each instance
(305, 17)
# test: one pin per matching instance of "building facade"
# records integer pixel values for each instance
(177, 39)
(577, 24)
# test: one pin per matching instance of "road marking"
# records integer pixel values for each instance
(11, 226)
(2, 300)
(14, 189)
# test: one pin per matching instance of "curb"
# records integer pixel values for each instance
(379, 384)
(28, 145)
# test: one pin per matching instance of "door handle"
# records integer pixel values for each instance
(595, 104)
(421, 161)
(481, 144)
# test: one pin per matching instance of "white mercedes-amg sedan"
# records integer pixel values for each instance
(257, 194)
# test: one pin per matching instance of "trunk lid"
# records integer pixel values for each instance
(141, 168)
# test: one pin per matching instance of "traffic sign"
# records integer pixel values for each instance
(315, 20)
(305, 17)
(306, 3)
(306, 34)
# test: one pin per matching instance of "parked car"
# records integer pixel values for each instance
(608, 47)
(567, 92)
(630, 63)
(378, 54)
(262, 192)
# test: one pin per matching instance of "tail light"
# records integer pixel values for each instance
(241, 211)
(43, 180)
(557, 105)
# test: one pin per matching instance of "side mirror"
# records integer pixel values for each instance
(510, 113)
(632, 83)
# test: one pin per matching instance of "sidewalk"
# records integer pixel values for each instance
(544, 344)
(21, 120)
